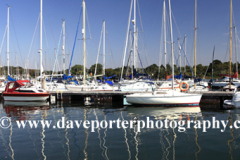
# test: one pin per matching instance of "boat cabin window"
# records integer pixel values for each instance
(40, 90)
(11, 85)
(19, 90)
(161, 92)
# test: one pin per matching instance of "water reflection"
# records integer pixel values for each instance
(106, 143)
(170, 113)
(10, 142)
(24, 110)
(86, 132)
(168, 136)
(43, 142)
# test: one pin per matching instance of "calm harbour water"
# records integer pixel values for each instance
(106, 143)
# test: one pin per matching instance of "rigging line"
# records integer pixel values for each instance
(3, 40)
(56, 53)
(14, 50)
(185, 56)
(192, 52)
(34, 46)
(140, 61)
(67, 46)
(233, 17)
(95, 72)
(140, 16)
(67, 41)
(147, 59)
(110, 49)
(145, 51)
(34, 42)
(161, 46)
(88, 24)
(176, 25)
(129, 64)
(45, 35)
(126, 42)
(139, 53)
(74, 42)
(16, 36)
(50, 25)
(89, 28)
(33, 37)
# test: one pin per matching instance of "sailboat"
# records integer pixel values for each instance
(24, 90)
(200, 86)
(230, 80)
(107, 85)
(166, 98)
(235, 101)
(85, 86)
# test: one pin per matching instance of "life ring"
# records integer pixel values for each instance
(182, 89)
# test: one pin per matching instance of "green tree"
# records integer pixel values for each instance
(77, 69)
(99, 69)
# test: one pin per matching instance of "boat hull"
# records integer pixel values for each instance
(78, 88)
(26, 97)
(167, 101)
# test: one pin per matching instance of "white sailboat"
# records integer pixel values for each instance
(170, 98)
(138, 86)
(102, 86)
(235, 101)
(166, 98)
(84, 86)
(200, 86)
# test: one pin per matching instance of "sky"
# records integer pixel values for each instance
(213, 29)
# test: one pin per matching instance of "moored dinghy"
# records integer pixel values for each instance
(234, 102)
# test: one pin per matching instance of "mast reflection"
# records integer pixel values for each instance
(167, 137)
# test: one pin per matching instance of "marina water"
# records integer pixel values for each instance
(115, 143)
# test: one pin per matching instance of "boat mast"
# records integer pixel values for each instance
(131, 53)
(63, 46)
(125, 49)
(84, 45)
(179, 54)
(16, 67)
(135, 37)
(230, 50)
(212, 62)
(103, 47)
(185, 48)
(46, 62)
(235, 30)
(35, 63)
(8, 63)
(171, 35)
(27, 65)
(40, 50)
(195, 44)
(165, 37)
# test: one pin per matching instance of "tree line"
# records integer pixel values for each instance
(154, 71)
